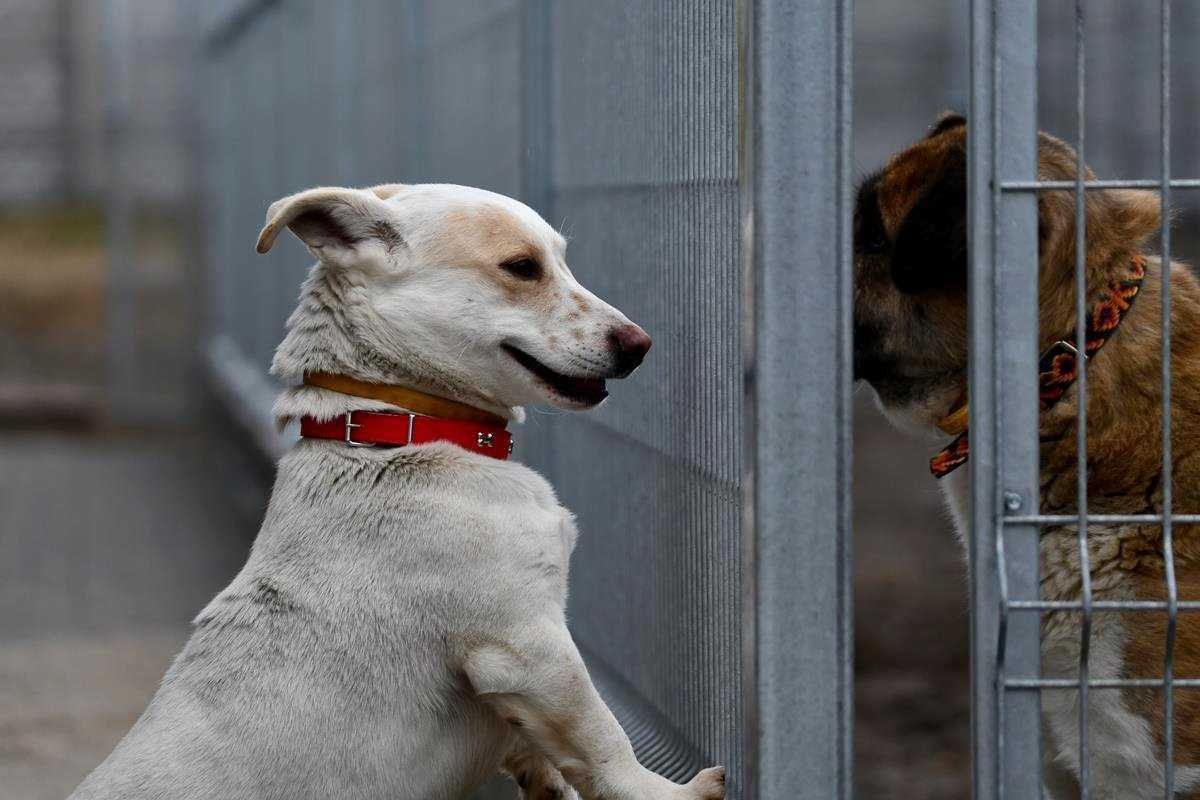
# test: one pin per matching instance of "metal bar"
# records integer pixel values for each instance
(1100, 683)
(1102, 519)
(1014, 290)
(795, 175)
(228, 24)
(343, 24)
(982, 543)
(1081, 494)
(1104, 605)
(123, 399)
(1167, 531)
(1071, 186)
(69, 140)
(536, 137)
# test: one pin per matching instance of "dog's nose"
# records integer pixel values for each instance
(630, 345)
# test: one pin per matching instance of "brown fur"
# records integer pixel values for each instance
(908, 173)
(913, 350)
(485, 238)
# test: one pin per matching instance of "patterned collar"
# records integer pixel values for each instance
(1057, 366)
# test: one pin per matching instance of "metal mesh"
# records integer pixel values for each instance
(644, 181)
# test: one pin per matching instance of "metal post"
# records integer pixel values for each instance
(1168, 480)
(796, 206)
(1006, 746)
(1015, 243)
(981, 555)
(118, 211)
(536, 89)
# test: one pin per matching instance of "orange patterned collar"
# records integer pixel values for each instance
(1057, 366)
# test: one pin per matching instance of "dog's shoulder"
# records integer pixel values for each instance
(329, 472)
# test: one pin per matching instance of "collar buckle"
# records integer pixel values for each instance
(348, 437)
(350, 425)
(1061, 347)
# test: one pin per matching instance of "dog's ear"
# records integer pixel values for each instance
(1118, 221)
(930, 247)
(385, 191)
(946, 121)
(334, 220)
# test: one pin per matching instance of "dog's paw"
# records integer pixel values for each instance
(536, 778)
(709, 784)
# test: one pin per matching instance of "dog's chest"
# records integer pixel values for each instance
(1059, 580)
(435, 529)
(1112, 550)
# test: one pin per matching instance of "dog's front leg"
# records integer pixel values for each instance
(537, 681)
(535, 776)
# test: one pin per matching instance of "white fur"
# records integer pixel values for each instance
(399, 629)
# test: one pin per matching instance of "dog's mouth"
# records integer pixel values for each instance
(584, 391)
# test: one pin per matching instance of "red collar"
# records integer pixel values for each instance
(1057, 366)
(399, 429)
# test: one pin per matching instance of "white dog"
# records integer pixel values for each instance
(398, 630)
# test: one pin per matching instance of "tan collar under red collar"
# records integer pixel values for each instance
(1057, 366)
(411, 399)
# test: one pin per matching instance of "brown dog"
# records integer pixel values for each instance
(911, 345)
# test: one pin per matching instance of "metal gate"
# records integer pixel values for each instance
(1007, 520)
(696, 154)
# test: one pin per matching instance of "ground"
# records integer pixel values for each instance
(112, 542)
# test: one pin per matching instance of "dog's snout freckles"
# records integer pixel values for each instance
(630, 344)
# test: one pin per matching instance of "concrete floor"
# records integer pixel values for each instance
(110, 543)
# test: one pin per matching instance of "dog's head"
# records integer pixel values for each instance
(910, 266)
(460, 290)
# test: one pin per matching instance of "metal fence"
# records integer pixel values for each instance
(691, 157)
(698, 155)
(1008, 517)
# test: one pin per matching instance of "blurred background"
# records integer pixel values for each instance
(140, 142)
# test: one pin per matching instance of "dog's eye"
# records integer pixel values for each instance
(874, 246)
(869, 238)
(524, 268)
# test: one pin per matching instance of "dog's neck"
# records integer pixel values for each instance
(1056, 293)
(334, 331)
(1124, 408)
(1125, 383)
